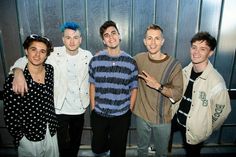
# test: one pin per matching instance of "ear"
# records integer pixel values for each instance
(144, 41)
(210, 53)
(162, 42)
(26, 52)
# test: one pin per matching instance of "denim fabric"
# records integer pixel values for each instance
(160, 134)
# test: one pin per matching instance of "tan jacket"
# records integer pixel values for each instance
(210, 104)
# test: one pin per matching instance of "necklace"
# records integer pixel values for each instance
(38, 77)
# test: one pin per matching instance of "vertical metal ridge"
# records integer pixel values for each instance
(63, 11)
(41, 17)
(199, 16)
(86, 23)
(155, 12)
(109, 10)
(219, 30)
(176, 29)
(2, 55)
(131, 28)
(21, 32)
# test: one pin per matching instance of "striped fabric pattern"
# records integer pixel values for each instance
(114, 77)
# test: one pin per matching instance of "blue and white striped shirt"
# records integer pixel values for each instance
(114, 77)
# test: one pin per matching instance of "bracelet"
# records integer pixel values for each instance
(160, 88)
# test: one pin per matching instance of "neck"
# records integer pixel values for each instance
(37, 73)
(113, 52)
(35, 69)
(157, 56)
(72, 53)
(199, 67)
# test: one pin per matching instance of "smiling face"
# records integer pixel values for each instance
(153, 41)
(200, 52)
(111, 38)
(36, 53)
(72, 40)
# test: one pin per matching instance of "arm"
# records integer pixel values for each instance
(19, 84)
(133, 98)
(12, 111)
(92, 95)
(220, 108)
(167, 90)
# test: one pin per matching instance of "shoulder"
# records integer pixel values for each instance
(140, 55)
(86, 52)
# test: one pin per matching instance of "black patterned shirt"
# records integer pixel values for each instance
(30, 114)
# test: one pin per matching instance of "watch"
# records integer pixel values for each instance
(160, 88)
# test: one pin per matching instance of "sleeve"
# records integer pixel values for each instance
(12, 112)
(20, 63)
(176, 84)
(91, 72)
(220, 107)
(134, 76)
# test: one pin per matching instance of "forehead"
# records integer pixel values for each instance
(200, 43)
(38, 44)
(71, 32)
(110, 29)
(154, 32)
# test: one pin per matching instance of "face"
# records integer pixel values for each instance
(200, 52)
(153, 41)
(36, 53)
(111, 38)
(72, 40)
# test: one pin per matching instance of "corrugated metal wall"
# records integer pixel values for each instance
(179, 18)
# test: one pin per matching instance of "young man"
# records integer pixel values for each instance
(205, 103)
(160, 85)
(31, 118)
(113, 86)
(71, 87)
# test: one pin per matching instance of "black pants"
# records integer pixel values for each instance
(191, 150)
(69, 134)
(110, 134)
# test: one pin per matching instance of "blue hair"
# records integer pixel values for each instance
(70, 25)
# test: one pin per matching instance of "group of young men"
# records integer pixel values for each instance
(152, 85)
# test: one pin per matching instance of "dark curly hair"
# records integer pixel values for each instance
(34, 37)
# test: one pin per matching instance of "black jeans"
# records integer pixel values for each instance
(69, 134)
(110, 134)
(191, 150)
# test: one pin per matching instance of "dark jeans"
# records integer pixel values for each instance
(69, 134)
(110, 134)
(191, 150)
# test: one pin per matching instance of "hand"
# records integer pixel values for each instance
(150, 81)
(19, 85)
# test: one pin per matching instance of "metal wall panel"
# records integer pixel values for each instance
(97, 13)
(226, 43)
(143, 15)
(187, 25)
(210, 17)
(120, 12)
(166, 17)
(75, 10)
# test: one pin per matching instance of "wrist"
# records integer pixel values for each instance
(160, 88)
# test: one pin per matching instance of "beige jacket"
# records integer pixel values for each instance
(210, 104)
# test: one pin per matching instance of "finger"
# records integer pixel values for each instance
(145, 73)
(142, 76)
(26, 88)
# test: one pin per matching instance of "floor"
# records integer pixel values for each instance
(132, 152)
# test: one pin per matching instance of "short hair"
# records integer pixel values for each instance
(34, 37)
(106, 25)
(205, 36)
(70, 25)
(154, 27)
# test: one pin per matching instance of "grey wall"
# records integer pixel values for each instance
(179, 18)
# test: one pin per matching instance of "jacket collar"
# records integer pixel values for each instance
(205, 72)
